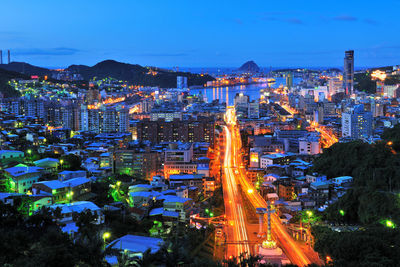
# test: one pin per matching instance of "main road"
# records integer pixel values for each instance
(237, 238)
(235, 174)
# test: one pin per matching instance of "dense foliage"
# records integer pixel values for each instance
(137, 74)
(6, 89)
(371, 165)
(364, 83)
(372, 203)
(38, 241)
(376, 246)
(392, 135)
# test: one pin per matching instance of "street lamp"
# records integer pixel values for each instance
(390, 224)
(341, 212)
(106, 235)
(29, 151)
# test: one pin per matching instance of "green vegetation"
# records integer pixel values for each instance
(375, 246)
(392, 137)
(136, 74)
(5, 88)
(38, 241)
(373, 166)
(371, 203)
(71, 162)
(363, 82)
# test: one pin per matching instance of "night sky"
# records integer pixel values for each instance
(216, 33)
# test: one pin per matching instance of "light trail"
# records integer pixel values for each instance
(286, 242)
(234, 212)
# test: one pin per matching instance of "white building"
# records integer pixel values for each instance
(309, 145)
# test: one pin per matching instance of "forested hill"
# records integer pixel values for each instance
(132, 73)
(5, 77)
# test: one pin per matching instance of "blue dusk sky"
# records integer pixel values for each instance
(187, 33)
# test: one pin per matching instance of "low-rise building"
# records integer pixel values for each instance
(21, 178)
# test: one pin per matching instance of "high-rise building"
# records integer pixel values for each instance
(33, 107)
(199, 130)
(181, 82)
(145, 106)
(241, 101)
(357, 123)
(289, 80)
(335, 85)
(253, 110)
(348, 72)
(104, 119)
(9, 56)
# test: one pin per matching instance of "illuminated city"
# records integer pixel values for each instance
(213, 133)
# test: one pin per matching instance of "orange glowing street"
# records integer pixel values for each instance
(234, 175)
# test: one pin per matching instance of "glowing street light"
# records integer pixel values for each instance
(106, 235)
(390, 224)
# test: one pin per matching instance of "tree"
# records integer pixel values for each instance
(71, 162)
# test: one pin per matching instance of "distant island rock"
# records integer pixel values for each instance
(250, 66)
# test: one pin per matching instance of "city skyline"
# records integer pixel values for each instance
(222, 34)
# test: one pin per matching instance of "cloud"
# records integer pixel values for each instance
(345, 18)
(238, 21)
(288, 20)
(294, 21)
(371, 21)
(12, 36)
(268, 18)
(58, 51)
(163, 54)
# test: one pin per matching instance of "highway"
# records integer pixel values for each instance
(236, 226)
(237, 175)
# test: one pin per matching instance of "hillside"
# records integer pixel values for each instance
(137, 74)
(25, 68)
(133, 73)
(5, 88)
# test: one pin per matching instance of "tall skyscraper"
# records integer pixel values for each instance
(348, 72)
(1, 57)
(9, 57)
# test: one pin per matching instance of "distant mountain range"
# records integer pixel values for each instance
(249, 66)
(132, 73)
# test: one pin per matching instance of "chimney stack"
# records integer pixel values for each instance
(9, 57)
